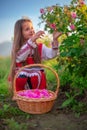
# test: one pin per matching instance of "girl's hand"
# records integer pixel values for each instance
(37, 35)
(56, 35)
(55, 41)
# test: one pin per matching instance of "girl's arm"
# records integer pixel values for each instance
(28, 47)
(25, 50)
(49, 53)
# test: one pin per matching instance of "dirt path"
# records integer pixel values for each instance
(58, 120)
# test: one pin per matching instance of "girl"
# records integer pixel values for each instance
(26, 51)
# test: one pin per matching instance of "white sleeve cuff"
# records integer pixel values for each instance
(32, 44)
(54, 45)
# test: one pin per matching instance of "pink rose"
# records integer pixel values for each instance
(42, 11)
(73, 14)
(72, 27)
(53, 26)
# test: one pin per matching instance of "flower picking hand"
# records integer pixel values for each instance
(37, 35)
(55, 41)
(56, 35)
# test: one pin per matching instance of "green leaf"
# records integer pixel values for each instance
(67, 102)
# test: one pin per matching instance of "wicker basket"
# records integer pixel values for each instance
(39, 105)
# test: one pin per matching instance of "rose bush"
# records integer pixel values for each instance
(67, 18)
(71, 20)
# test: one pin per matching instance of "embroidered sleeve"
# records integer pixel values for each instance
(25, 50)
(32, 44)
(48, 53)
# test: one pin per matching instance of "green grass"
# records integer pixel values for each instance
(4, 71)
(9, 111)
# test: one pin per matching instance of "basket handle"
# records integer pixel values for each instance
(35, 65)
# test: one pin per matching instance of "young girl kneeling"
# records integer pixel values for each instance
(26, 51)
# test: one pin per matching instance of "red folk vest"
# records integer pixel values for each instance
(20, 82)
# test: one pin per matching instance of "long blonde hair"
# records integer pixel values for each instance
(17, 44)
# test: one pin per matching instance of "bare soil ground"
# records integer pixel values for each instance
(58, 119)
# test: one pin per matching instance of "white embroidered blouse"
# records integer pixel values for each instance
(46, 54)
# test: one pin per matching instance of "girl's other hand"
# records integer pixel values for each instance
(37, 35)
(56, 35)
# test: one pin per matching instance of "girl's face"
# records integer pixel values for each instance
(27, 30)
